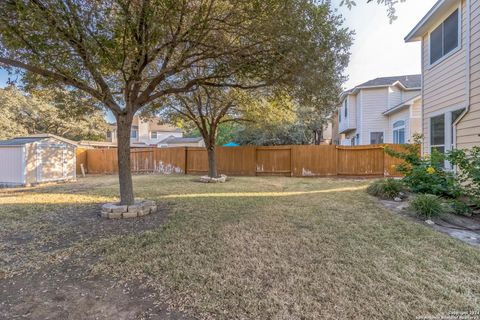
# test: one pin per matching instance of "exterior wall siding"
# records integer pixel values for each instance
(407, 95)
(348, 122)
(31, 163)
(468, 129)
(395, 96)
(366, 109)
(415, 119)
(444, 84)
(374, 102)
(11, 169)
(49, 162)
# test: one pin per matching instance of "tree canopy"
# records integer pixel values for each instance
(131, 54)
(46, 111)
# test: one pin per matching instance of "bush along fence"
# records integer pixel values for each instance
(294, 161)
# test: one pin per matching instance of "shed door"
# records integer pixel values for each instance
(52, 160)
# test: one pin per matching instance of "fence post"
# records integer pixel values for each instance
(383, 160)
(291, 161)
(336, 160)
(255, 160)
(186, 160)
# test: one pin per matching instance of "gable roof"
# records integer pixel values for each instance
(409, 82)
(20, 141)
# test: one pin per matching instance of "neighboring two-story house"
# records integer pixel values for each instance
(382, 110)
(450, 36)
(151, 133)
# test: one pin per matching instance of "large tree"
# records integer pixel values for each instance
(321, 45)
(128, 54)
(47, 111)
(208, 108)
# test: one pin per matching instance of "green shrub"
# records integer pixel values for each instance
(468, 161)
(460, 207)
(385, 188)
(426, 174)
(428, 205)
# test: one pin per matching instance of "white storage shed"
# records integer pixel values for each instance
(36, 159)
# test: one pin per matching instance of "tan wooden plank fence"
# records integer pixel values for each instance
(295, 161)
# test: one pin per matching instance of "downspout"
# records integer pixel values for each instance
(467, 71)
(422, 109)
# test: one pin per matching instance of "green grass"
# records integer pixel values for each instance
(266, 248)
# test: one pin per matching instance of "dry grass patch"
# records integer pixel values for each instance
(291, 249)
(253, 248)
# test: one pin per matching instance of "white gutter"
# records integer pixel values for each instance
(434, 13)
(467, 71)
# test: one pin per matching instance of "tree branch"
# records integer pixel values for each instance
(64, 79)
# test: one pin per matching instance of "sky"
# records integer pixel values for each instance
(379, 49)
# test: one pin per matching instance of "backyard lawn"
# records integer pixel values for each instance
(253, 248)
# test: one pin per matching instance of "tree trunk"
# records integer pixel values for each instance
(212, 162)
(124, 125)
(317, 136)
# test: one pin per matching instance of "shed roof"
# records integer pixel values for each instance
(20, 141)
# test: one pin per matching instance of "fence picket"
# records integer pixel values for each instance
(295, 161)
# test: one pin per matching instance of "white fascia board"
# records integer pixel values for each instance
(430, 18)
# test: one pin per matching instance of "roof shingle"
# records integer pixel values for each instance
(408, 81)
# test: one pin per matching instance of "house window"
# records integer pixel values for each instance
(346, 108)
(437, 133)
(376, 137)
(154, 135)
(109, 134)
(399, 132)
(445, 38)
(133, 134)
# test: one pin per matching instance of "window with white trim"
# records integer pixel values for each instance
(399, 132)
(346, 108)
(153, 135)
(133, 134)
(445, 38)
(376, 137)
(437, 133)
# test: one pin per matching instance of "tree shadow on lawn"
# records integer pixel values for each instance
(45, 265)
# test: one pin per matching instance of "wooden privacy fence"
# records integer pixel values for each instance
(295, 161)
